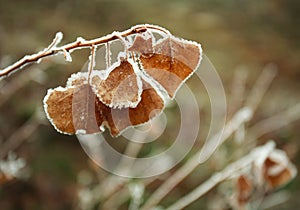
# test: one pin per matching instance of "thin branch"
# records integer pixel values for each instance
(107, 55)
(78, 44)
(238, 119)
(238, 89)
(92, 61)
(273, 200)
(275, 122)
(137, 192)
(241, 117)
(122, 39)
(19, 136)
(261, 86)
(116, 200)
(11, 87)
(222, 176)
(122, 196)
(113, 183)
(57, 39)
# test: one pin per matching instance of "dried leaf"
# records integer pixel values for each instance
(86, 110)
(277, 173)
(173, 61)
(118, 97)
(151, 105)
(76, 109)
(58, 107)
(122, 87)
(73, 110)
(142, 45)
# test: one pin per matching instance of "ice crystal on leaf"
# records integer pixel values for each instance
(128, 92)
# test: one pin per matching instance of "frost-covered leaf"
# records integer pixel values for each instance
(151, 105)
(77, 79)
(77, 110)
(142, 44)
(58, 107)
(277, 169)
(127, 92)
(73, 110)
(173, 61)
(121, 88)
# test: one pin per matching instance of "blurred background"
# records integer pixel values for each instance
(235, 35)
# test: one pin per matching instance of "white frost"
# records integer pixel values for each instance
(77, 76)
(80, 132)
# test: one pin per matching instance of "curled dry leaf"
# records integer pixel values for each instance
(125, 94)
(268, 173)
(77, 110)
(142, 45)
(121, 88)
(171, 62)
(278, 170)
(151, 105)
(73, 110)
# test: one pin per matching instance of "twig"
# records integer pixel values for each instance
(221, 176)
(122, 196)
(57, 39)
(116, 200)
(113, 183)
(275, 122)
(19, 136)
(92, 61)
(240, 117)
(11, 87)
(238, 89)
(276, 199)
(78, 44)
(107, 55)
(260, 86)
(137, 192)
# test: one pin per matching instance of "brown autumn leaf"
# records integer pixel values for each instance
(73, 110)
(121, 88)
(173, 61)
(118, 98)
(277, 174)
(142, 44)
(77, 110)
(151, 105)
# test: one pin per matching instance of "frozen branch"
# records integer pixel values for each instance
(275, 122)
(222, 176)
(261, 86)
(80, 43)
(19, 136)
(240, 118)
(238, 89)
